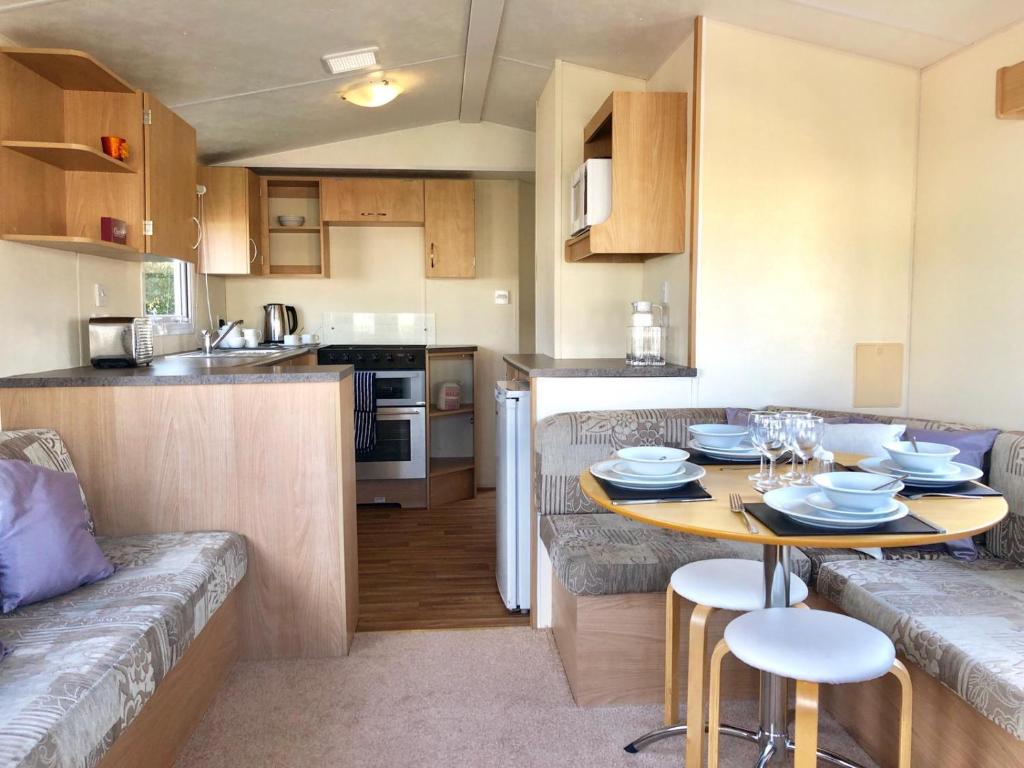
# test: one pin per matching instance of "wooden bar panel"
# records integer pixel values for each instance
(273, 462)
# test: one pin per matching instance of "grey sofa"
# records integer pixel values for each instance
(963, 623)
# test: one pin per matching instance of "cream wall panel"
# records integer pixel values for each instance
(807, 179)
(676, 74)
(547, 211)
(966, 359)
(527, 273)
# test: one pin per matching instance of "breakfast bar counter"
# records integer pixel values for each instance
(536, 366)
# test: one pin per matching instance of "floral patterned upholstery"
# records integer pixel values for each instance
(42, 447)
(608, 555)
(1007, 475)
(83, 665)
(962, 623)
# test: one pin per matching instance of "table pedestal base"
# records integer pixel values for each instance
(772, 734)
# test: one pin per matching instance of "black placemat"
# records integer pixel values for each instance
(781, 525)
(698, 456)
(692, 491)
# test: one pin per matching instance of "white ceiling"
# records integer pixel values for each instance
(247, 74)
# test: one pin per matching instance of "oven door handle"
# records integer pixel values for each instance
(386, 414)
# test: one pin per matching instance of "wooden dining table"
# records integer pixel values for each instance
(958, 518)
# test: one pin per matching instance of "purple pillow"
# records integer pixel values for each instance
(973, 445)
(45, 545)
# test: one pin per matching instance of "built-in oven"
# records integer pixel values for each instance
(400, 452)
(400, 388)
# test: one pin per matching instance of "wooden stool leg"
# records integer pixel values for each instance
(671, 656)
(906, 711)
(714, 705)
(806, 755)
(695, 685)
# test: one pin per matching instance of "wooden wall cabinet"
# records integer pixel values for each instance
(644, 134)
(56, 183)
(362, 200)
(294, 251)
(1010, 92)
(232, 222)
(449, 235)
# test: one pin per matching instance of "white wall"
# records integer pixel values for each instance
(451, 146)
(806, 236)
(675, 74)
(588, 302)
(527, 272)
(47, 299)
(381, 269)
(967, 360)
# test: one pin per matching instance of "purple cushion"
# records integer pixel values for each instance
(974, 446)
(45, 545)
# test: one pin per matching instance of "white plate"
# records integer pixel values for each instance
(743, 449)
(605, 471)
(963, 473)
(792, 502)
(893, 465)
(825, 504)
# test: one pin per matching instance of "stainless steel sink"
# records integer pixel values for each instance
(232, 353)
(226, 358)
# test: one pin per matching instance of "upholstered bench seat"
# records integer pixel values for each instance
(962, 623)
(82, 666)
(605, 554)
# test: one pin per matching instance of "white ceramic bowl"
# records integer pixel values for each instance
(234, 342)
(930, 457)
(652, 459)
(718, 435)
(853, 490)
(291, 221)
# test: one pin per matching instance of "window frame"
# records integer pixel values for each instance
(184, 298)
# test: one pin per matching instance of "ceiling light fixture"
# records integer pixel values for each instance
(346, 61)
(375, 93)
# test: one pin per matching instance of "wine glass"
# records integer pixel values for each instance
(769, 437)
(804, 435)
(794, 473)
(760, 475)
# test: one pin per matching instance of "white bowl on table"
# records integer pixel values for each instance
(652, 460)
(856, 490)
(718, 435)
(929, 457)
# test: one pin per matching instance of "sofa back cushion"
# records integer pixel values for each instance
(1007, 476)
(44, 448)
(568, 443)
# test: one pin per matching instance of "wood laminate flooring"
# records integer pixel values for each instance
(430, 568)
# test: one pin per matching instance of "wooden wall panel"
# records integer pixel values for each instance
(270, 461)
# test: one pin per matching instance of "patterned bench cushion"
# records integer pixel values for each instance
(568, 443)
(1007, 475)
(82, 665)
(963, 623)
(604, 554)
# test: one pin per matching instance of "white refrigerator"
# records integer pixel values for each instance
(512, 408)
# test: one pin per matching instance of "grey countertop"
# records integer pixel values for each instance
(597, 367)
(184, 370)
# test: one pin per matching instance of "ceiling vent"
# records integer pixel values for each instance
(347, 61)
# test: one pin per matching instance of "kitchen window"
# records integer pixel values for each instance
(167, 295)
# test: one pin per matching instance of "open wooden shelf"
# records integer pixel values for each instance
(79, 245)
(463, 409)
(447, 466)
(69, 157)
(301, 230)
(71, 70)
(295, 269)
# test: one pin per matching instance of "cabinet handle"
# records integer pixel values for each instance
(255, 251)
(382, 214)
(199, 233)
(366, 213)
(431, 255)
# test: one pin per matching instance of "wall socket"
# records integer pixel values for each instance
(501, 297)
(100, 292)
(664, 292)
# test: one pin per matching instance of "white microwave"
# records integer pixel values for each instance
(591, 194)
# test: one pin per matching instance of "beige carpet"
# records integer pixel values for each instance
(485, 698)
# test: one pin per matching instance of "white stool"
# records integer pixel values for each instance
(727, 585)
(811, 647)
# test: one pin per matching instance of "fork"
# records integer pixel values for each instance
(736, 505)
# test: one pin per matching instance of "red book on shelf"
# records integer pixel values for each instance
(113, 230)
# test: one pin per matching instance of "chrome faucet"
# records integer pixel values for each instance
(209, 346)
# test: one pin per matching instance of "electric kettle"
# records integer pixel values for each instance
(280, 320)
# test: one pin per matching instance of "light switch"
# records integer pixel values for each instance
(100, 291)
(878, 376)
(501, 297)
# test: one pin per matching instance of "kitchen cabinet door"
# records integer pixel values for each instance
(449, 227)
(373, 201)
(231, 212)
(170, 148)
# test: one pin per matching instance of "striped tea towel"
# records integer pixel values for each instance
(365, 411)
